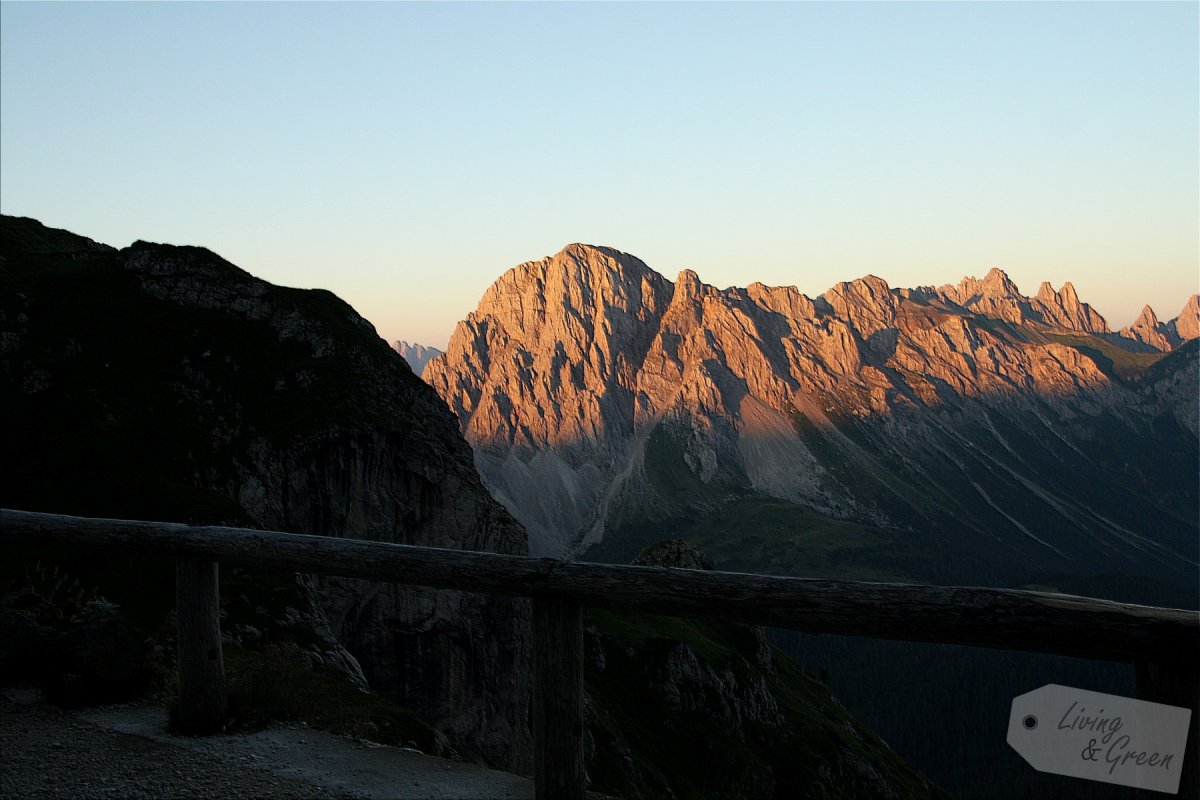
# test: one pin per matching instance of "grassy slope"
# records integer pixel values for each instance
(1111, 359)
(691, 755)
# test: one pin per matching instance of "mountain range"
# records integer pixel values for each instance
(961, 432)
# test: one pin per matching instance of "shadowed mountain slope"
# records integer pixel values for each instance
(161, 382)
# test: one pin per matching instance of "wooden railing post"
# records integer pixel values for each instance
(202, 700)
(558, 770)
(1176, 683)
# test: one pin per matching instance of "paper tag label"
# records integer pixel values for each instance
(1101, 737)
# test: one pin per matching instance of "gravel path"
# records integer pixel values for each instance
(126, 752)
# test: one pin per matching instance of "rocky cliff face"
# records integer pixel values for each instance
(569, 336)
(164, 383)
(1001, 421)
(417, 355)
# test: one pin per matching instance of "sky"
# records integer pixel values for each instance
(404, 155)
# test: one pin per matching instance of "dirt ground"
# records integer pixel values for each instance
(125, 751)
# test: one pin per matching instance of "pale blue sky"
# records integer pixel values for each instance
(405, 155)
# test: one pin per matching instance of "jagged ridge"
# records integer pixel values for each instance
(954, 409)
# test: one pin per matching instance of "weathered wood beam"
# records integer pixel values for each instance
(558, 760)
(982, 617)
(202, 698)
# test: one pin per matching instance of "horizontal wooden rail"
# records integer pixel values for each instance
(983, 617)
(1163, 643)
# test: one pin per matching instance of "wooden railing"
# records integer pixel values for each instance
(1163, 644)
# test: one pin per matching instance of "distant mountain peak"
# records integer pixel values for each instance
(998, 284)
(997, 296)
(1150, 332)
(579, 275)
(688, 287)
(1187, 325)
(417, 355)
(580, 253)
(585, 251)
(969, 290)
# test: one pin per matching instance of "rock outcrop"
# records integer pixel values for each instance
(579, 379)
(162, 382)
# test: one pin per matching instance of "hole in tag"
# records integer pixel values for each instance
(1030, 722)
